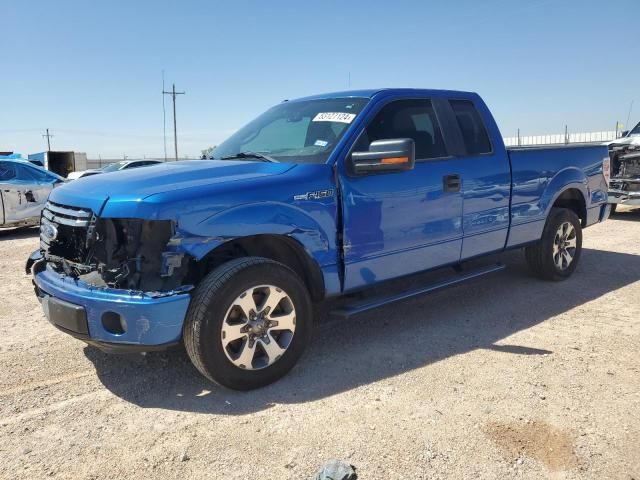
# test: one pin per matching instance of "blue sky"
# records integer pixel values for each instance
(91, 71)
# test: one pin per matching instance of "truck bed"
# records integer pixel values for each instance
(540, 172)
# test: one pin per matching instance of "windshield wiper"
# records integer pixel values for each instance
(242, 155)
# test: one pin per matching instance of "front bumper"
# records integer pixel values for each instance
(624, 197)
(86, 312)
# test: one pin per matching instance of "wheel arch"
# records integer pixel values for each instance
(280, 248)
(572, 199)
(567, 189)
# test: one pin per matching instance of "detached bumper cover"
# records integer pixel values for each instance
(150, 321)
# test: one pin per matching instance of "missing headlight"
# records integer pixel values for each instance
(124, 253)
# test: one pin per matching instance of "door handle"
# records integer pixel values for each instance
(451, 183)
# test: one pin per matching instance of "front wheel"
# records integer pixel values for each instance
(248, 323)
(556, 255)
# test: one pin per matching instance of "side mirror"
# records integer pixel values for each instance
(393, 155)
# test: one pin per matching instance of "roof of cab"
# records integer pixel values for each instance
(370, 93)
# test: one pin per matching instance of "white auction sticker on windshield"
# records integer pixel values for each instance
(334, 117)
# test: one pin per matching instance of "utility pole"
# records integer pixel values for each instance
(173, 94)
(164, 121)
(48, 139)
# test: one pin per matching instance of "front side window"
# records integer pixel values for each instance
(24, 174)
(474, 133)
(414, 119)
(294, 132)
(37, 175)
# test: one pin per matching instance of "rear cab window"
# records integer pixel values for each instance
(474, 133)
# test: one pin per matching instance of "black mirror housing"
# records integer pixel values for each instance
(393, 155)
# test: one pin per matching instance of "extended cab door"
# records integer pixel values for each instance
(485, 174)
(399, 223)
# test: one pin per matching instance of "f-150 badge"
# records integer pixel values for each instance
(317, 195)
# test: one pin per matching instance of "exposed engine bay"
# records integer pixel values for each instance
(132, 254)
(625, 168)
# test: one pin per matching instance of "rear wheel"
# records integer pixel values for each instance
(248, 323)
(556, 255)
(612, 212)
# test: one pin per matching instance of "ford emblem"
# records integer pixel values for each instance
(50, 231)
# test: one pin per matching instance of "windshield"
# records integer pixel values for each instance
(113, 167)
(294, 132)
(635, 130)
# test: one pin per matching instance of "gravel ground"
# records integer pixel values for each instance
(505, 377)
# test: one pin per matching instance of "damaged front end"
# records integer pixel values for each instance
(624, 187)
(120, 253)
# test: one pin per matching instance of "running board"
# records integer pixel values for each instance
(357, 307)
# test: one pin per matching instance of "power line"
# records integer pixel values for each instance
(173, 94)
(48, 139)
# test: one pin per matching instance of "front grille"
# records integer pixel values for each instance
(63, 230)
(64, 215)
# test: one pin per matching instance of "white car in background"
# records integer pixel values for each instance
(113, 167)
(24, 189)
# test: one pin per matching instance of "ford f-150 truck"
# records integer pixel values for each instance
(315, 198)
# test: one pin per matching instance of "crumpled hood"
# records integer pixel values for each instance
(139, 183)
(630, 140)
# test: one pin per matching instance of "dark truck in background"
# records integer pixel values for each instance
(317, 197)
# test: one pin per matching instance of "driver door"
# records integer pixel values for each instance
(400, 223)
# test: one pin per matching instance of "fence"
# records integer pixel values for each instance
(561, 138)
(519, 140)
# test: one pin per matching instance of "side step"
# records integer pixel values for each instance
(361, 306)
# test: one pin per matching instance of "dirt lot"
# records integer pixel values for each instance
(505, 377)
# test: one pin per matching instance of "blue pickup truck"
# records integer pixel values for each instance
(317, 197)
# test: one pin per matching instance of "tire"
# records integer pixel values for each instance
(221, 310)
(543, 257)
(612, 212)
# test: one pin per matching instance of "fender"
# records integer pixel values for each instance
(315, 231)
